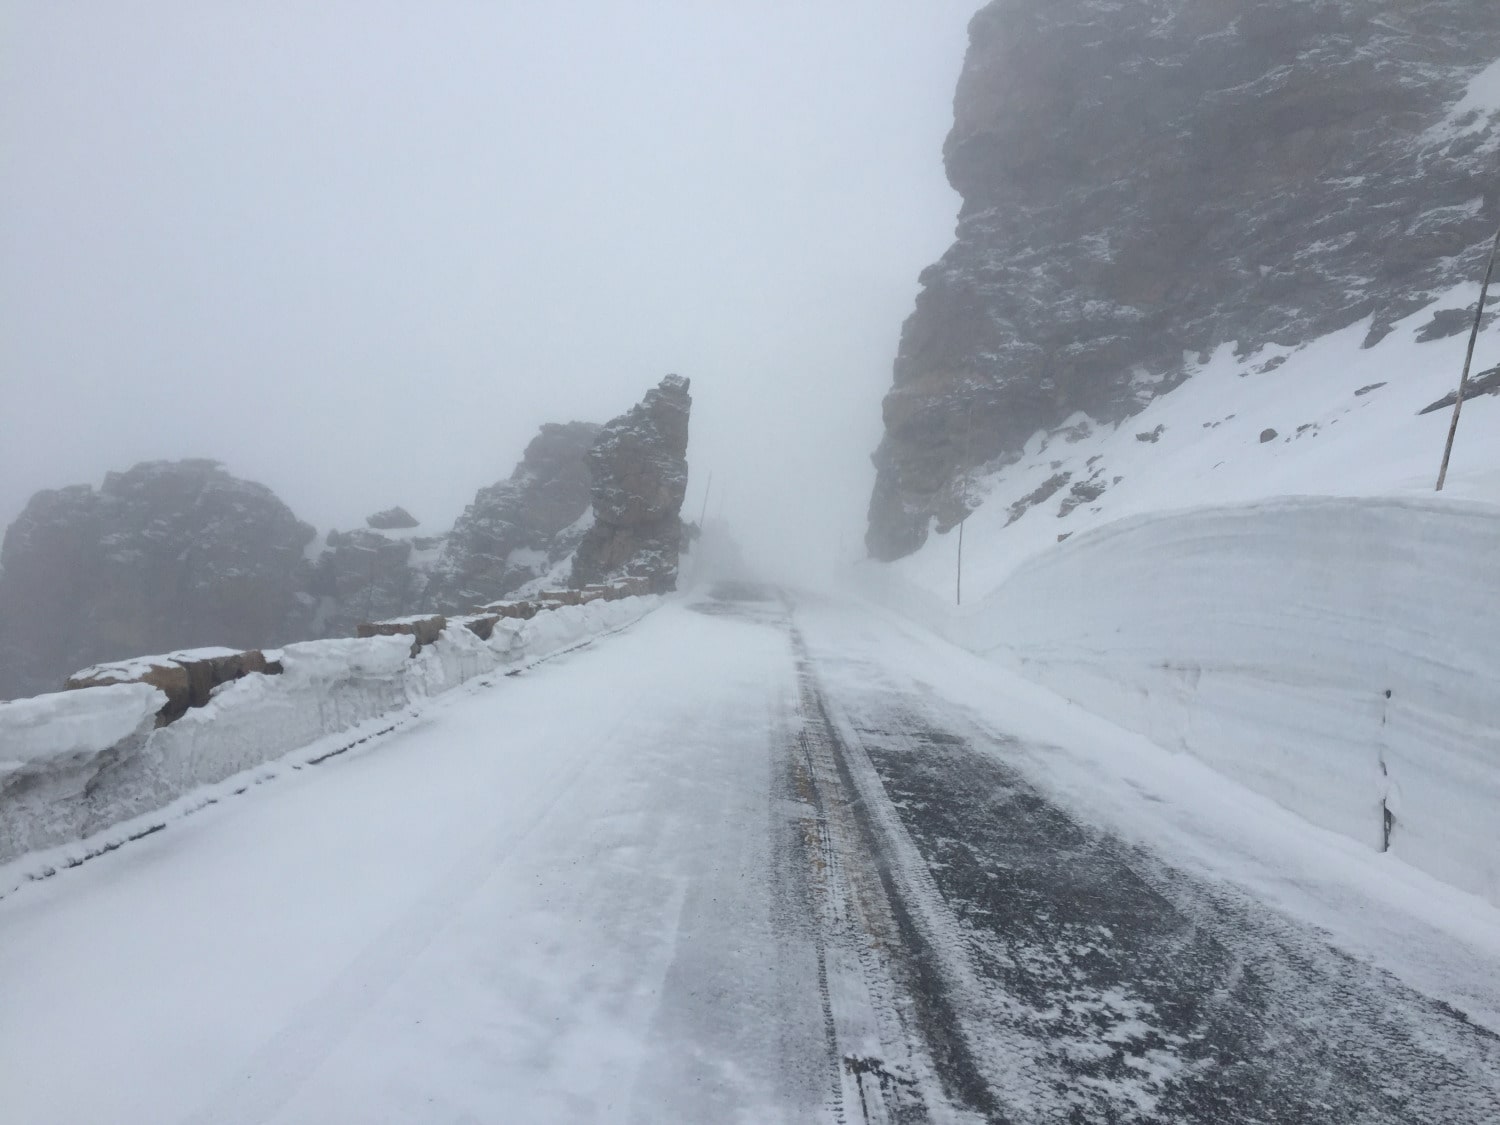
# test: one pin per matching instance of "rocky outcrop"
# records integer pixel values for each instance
(177, 555)
(639, 470)
(1485, 383)
(392, 519)
(518, 529)
(1148, 179)
(167, 555)
(361, 575)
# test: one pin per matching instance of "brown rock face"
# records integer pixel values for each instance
(639, 470)
(1146, 179)
(166, 556)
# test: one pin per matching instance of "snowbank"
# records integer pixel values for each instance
(64, 723)
(55, 748)
(1338, 655)
(75, 763)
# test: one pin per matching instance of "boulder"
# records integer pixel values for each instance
(392, 519)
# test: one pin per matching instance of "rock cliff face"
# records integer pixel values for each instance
(520, 528)
(167, 555)
(1156, 178)
(639, 470)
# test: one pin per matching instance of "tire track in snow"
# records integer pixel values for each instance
(898, 1046)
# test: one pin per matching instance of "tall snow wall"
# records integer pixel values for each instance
(1341, 656)
(76, 764)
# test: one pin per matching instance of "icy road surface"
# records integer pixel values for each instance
(749, 861)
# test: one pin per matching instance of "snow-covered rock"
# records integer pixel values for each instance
(187, 677)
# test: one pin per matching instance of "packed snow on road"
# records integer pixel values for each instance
(760, 857)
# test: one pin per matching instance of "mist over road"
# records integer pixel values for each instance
(738, 863)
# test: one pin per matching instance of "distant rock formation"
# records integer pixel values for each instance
(520, 528)
(392, 519)
(362, 575)
(168, 555)
(179, 555)
(1147, 179)
(639, 470)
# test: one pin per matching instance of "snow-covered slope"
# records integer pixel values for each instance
(1251, 599)
(1346, 422)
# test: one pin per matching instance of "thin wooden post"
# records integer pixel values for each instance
(960, 591)
(703, 515)
(1463, 382)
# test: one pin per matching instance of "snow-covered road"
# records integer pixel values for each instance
(748, 862)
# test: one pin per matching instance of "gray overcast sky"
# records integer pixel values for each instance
(360, 251)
